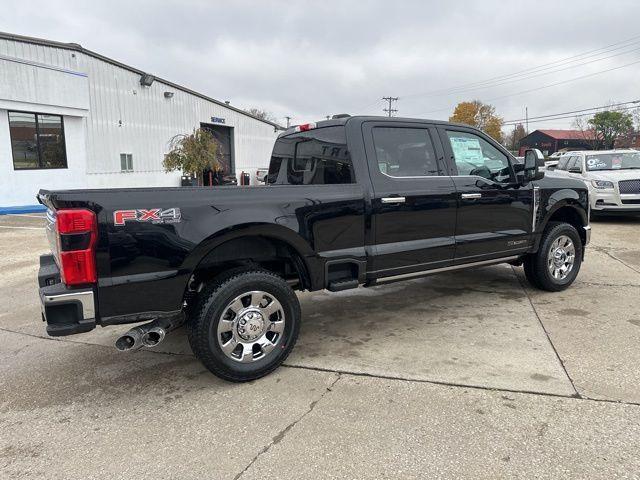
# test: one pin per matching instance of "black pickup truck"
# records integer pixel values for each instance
(349, 202)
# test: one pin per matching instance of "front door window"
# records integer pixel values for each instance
(474, 156)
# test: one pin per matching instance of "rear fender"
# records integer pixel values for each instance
(312, 264)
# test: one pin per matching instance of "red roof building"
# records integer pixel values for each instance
(550, 141)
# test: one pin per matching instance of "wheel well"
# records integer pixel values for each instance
(269, 253)
(570, 215)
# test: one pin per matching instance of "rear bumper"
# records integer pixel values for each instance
(66, 311)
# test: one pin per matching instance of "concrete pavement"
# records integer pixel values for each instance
(464, 375)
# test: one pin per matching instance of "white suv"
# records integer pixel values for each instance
(613, 178)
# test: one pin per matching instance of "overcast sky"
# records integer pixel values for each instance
(311, 59)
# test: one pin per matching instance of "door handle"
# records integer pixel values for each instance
(392, 199)
(470, 196)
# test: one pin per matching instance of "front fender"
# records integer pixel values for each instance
(578, 200)
(552, 205)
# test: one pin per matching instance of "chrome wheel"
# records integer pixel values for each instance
(250, 326)
(561, 258)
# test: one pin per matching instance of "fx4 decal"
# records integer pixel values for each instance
(152, 215)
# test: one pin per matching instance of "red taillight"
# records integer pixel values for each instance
(77, 234)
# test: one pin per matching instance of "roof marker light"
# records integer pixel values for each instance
(305, 127)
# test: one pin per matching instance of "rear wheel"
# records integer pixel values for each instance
(556, 264)
(245, 325)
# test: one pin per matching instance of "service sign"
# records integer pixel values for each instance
(217, 120)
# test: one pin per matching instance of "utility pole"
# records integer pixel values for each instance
(288, 121)
(526, 118)
(390, 111)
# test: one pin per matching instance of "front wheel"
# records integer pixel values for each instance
(556, 264)
(245, 325)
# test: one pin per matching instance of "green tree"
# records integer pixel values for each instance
(193, 153)
(479, 115)
(609, 125)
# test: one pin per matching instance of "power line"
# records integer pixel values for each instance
(572, 111)
(567, 81)
(539, 68)
(539, 74)
(390, 111)
(565, 117)
(546, 66)
(548, 86)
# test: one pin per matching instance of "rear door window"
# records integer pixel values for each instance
(405, 152)
(316, 157)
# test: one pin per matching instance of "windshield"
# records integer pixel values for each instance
(613, 161)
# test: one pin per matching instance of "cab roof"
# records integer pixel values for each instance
(344, 119)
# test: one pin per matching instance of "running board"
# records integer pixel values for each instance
(339, 285)
(424, 273)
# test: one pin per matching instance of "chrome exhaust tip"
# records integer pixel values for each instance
(148, 335)
(130, 341)
(153, 337)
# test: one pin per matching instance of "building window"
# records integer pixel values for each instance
(126, 162)
(37, 141)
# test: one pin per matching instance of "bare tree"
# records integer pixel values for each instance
(262, 114)
(588, 135)
(512, 139)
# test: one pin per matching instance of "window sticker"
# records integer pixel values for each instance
(596, 163)
(616, 162)
(467, 150)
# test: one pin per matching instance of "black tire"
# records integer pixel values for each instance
(536, 265)
(202, 327)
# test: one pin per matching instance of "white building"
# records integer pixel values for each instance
(71, 118)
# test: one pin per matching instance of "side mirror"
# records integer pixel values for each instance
(533, 161)
(575, 170)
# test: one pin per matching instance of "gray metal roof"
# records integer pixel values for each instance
(79, 48)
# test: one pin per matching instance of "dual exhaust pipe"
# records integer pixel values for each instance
(148, 335)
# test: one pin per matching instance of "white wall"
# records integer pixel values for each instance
(126, 117)
(107, 112)
(19, 187)
(35, 83)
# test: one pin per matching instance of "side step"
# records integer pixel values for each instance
(339, 285)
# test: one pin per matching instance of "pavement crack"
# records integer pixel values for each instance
(282, 433)
(341, 372)
(615, 285)
(443, 383)
(544, 329)
(612, 256)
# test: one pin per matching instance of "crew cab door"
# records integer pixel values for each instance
(495, 213)
(413, 203)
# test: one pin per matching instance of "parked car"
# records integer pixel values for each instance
(261, 175)
(613, 178)
(350, 202)
(552, 160)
